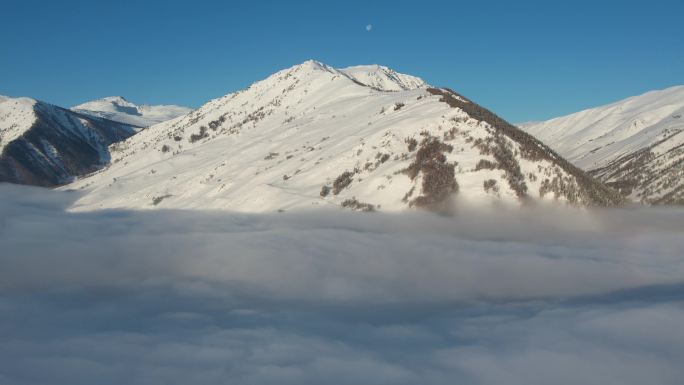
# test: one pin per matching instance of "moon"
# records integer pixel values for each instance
(369, 27)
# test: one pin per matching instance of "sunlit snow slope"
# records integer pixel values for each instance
(118, 109)
(635, 145)
(383, 78)
(46, 145)
(364, 138)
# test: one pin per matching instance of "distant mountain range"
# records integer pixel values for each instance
(46, 145)
(363, 138)
(635, 145)
(118, 109)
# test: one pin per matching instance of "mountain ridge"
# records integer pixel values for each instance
(312, 135)
(47, 145)
(118, 109)
(635, 145)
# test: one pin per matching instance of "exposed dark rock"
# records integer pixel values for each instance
(60, 145)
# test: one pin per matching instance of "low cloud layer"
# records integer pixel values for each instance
(538, 296)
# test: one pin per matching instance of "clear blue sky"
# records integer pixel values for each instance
(526, 60)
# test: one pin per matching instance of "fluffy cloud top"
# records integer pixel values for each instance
(539, 296)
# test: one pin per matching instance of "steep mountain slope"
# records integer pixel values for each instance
(46, 145)
(312, 135)
(635, 145)
(16, 116)
(118, 109)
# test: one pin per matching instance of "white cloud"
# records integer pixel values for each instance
(173, 297)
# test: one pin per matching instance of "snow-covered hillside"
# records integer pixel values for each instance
(46, 145)
(16, 117)
(383, 78)
(118, 109)
(312, 136)
(635, 145)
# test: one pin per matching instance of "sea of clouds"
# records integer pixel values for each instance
(490, 296)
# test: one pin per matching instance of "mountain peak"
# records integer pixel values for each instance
(43, 144)
(17, 117)
(384, 78)
(118, 109)
(116, 99)
(314, 64)
(363, 138)
(309, 66)
(374, 76)
(20, 100)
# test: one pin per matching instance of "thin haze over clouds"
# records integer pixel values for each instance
(483, 297)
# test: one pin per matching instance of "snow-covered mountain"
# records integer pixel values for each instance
(118, 109)
(42, 144)
(364, 138)
(635, 145)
